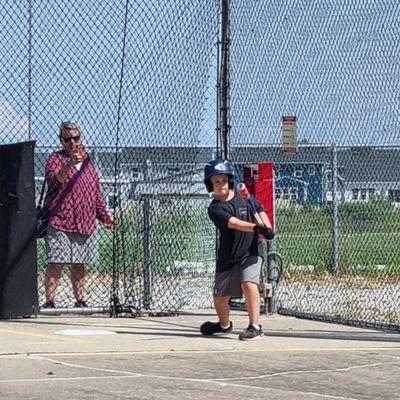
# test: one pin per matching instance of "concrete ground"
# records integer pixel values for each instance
(86, 357)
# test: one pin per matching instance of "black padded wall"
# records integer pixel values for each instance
(18, 276)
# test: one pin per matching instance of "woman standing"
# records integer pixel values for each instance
(75, 202)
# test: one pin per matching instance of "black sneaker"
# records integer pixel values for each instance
(251, 333)
(209, 328)
(49, 304)
(80, 304)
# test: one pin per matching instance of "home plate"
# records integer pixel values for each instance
(84, 332)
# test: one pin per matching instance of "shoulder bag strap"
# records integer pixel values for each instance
(42, 192)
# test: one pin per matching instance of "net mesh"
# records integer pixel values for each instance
(333, 65)
(140, 81)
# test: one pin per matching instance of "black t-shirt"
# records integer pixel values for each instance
(234, 245)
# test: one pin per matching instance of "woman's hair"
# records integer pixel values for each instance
(68, 126)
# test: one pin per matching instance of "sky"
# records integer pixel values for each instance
(333, 64)
(148, 87)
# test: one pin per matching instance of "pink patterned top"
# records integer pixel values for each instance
(76, 204)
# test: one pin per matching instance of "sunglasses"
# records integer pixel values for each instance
(74, 138)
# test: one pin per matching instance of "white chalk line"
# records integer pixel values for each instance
(311, 371)
(219, 381)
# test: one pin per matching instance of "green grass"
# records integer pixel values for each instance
(183, 233)
(369, 235)
(305, 249)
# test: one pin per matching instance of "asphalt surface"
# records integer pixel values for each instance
(95, 357)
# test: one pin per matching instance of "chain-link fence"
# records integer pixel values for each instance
(140, 80)
(340, 248)
(335, 66)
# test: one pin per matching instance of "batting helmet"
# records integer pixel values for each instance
(217, 167)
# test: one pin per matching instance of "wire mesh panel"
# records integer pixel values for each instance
(333, 65)
(172, 251)
(138, 79)
(15, 85)
(360, 280)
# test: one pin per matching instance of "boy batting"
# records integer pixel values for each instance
(240, 254)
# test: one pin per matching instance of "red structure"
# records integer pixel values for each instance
(259, 179)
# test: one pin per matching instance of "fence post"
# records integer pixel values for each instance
(272, 275)
(147, 270)
(335, 220)
(224, 83)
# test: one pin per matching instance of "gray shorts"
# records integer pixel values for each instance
(70, 248)
(227, 283)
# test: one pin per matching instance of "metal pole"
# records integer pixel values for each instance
(218, 90)
(272, 276)
(115, 285)
(147, 272)
(224, 78)
(147, 265)
(335, 220)
(30, 69)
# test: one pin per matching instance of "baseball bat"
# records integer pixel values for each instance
(244, 193)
